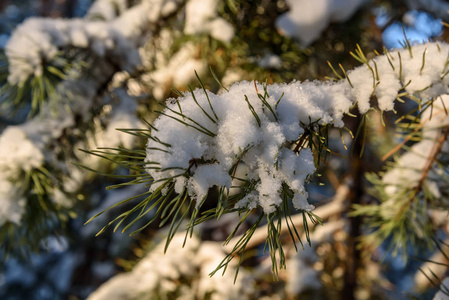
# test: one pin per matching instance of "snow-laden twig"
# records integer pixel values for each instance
(415, 182)
(38, 41)
(201, 138)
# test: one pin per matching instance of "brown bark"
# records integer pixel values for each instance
(353, 254)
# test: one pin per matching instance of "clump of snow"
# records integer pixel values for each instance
(201, 17)
(18, 155)
(206, 176)
(21, 152)
(169, 65)
(178, 70)
(176, 272)
(207, 132)
(419, 70)
(17, 152)
(306, 20)
(232, 135)
(270, 61)
(38, 41)
(106, 9)
(12, 202)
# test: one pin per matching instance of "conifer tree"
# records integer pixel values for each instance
(201, 113)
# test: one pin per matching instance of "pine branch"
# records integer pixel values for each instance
(431, 160)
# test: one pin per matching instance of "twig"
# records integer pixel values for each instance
(406, 139)
(435, 151)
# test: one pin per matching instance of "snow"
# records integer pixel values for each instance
(166, 69)
(158, 274)
(18, 155)
(17, 152)
(178, 71)
(306, 20)
(270, 61)
(438, 8)
(12, 202)
(39, 40)
(202, 17)
(206, 176)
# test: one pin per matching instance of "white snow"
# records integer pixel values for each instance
(18, 155)
(306, 20)
(12, 202)
(39, 40)
(17, 152)
(106, 9)
(202, 17)
(438, 8)
(270, 61)
(178, 70)
(178, 270)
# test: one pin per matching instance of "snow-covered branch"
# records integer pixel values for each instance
(38, 42)
(202, 138)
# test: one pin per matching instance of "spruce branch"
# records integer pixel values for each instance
(431, 160)
(280, 144)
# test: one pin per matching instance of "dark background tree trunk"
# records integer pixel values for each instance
(355, 223)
